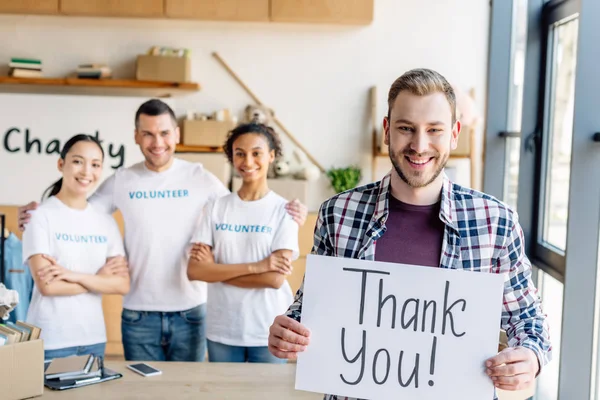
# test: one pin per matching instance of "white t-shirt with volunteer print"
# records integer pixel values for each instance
(244, 232)
(81, 241)
(160, 211)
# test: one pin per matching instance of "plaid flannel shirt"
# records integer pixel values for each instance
(481, 234)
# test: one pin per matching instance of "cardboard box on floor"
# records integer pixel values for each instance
(22, 370)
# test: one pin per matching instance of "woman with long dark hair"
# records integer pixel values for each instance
(75, 254)
(243, 248)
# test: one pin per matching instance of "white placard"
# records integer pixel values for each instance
(33, 129)
(446, 324)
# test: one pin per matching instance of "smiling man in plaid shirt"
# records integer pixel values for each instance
(415, 215)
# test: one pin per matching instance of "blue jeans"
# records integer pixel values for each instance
(219, 352)
(164, 336)
(96, 349)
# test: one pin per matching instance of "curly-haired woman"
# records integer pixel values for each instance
(243, 247)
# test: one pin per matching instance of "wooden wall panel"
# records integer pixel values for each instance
(351, 12)
(114, 8)
(29, 6)
(219, 10)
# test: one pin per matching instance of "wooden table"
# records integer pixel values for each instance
(210, 381)
(202, 380)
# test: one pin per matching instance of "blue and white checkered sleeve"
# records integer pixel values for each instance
(522, 316)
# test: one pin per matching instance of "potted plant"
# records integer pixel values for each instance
(343, 179)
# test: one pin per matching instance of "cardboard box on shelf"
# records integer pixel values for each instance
(287, 188)
(22, 370)
(216, 163)
(210, 133)
(163, 68)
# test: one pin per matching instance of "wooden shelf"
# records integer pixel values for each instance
(182, 148)
(96, 87)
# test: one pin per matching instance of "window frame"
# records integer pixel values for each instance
(579, 365)
(545, 256)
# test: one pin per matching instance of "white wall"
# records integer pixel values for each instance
(33, 126)
(315, 77)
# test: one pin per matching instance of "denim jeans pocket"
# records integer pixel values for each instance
(194, 315)
(131, 317)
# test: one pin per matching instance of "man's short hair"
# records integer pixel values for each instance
(422, 82)
(153, 108)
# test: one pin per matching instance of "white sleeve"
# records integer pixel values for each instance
(286, 235)
(103, 197)
(203, 232)
(36, 238)
(115, 241)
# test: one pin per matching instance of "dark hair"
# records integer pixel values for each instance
(56, 186)
(154, 107)
(260, 129)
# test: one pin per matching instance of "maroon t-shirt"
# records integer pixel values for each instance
(413, 235)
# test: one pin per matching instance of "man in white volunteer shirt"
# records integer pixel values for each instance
(160, 200)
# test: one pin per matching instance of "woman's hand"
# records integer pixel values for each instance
(298, 211)
(115, 266)
(55, 272)
(202, 253)
(274, 263)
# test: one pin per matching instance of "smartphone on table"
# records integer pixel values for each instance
(144, 369)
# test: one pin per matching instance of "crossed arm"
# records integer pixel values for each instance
(267, 273)
(53, 279)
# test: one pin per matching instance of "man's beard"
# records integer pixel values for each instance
(410, 181)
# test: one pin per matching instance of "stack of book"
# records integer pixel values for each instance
(93, 71)
(25, 68)
(19, 331)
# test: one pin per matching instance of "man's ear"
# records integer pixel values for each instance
(386, 131)
(455, 133)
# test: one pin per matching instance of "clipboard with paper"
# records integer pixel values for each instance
(105, 375)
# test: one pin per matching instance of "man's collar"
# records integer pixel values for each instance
(447, 208)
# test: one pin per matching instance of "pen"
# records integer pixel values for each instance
(97, 378)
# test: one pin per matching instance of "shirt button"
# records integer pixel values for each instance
(373, 234)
